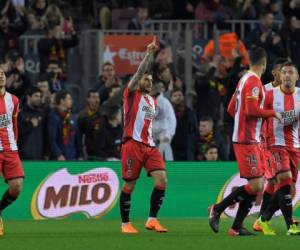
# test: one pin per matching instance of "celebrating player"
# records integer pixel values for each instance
(246, 107)
(283, 141)
(269, 169)
(10, 163)
(138, 148)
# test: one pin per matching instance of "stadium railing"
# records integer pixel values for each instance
(185, 37)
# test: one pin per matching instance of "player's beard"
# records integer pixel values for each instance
(145, 90)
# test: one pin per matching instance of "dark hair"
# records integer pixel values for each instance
(61, 95)
(206, 119)
(106, 64)
(210, 146)
(13, 55)
(91, 91)
(110, 111)
(279, 61)
(33, 90)
(265, 13)
(176, 90)
(287, 64)
(143, 5)
(256, 55)
(42, 78)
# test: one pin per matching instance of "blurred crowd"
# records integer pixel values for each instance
(185, 130)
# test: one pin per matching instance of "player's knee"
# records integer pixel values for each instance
(257, 186)
(129, 186)
(16, 187)
(161, 181)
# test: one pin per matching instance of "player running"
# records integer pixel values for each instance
(283, 141)
(138, 148)
(10, 163)
(246, 107)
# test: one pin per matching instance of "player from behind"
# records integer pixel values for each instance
(138, 148)
(10, 163)
(284, 143)
(246, 107)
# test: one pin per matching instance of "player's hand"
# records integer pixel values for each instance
(152, 47)
(278, 116)
(61, 158)
(35, 122)
(165, 140)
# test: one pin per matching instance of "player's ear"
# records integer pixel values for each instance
(273, 72)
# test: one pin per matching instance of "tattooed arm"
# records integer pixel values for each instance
(151, 48)
(141, 71)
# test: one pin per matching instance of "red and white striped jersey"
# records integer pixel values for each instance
(139, 113)
(9, 108)
(287, 132)
(247, 129)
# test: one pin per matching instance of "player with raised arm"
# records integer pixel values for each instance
(246, 107)
(10, 163)
(138, 147)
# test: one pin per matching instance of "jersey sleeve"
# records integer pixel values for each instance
(253, 97)
(268, 100)
(231, 106)
(15, 116)
(16, 106)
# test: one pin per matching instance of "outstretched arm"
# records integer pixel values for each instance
(151, 48)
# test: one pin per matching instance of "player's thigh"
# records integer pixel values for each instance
(282, 160)
(269, 165)
(294, 162)
(153, 161)
(12, 166)
(131, 160)
(250, 160)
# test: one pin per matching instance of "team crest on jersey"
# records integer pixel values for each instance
(253, 170)
(255, 92)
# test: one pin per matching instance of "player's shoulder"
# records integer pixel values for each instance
(128, 92)
(252, 78)
(269, 86)
(14, 98)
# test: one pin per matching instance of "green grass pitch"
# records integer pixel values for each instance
(184, 234)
